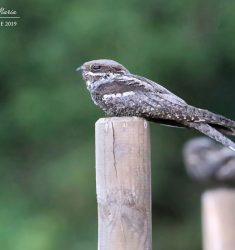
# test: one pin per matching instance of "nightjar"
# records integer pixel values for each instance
(119, 93)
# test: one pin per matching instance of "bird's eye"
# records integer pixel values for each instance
(117, 69)
(95, 67)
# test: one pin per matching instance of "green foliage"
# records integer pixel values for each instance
(47, 174)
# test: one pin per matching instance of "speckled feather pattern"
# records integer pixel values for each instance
(119, 93)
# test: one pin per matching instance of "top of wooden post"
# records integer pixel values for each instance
(122, 119)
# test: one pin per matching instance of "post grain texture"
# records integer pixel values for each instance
(123, 183)
(218, 210)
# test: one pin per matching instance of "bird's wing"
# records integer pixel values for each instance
(161, 91)
(165, 107)
(121, 84)
(218, 122)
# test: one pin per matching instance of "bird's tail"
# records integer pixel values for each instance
(223, 129)
(213, 133)
(219, 122)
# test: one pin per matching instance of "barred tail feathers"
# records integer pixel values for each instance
(219, 122)
(212, 133)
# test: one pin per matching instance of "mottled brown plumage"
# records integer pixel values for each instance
(120, 93)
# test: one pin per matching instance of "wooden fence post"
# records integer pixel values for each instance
(123, 184)
(218, 219)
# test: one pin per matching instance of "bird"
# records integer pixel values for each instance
(209, 162)
(120, 93)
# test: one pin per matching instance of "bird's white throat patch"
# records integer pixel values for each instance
(88, 84)
(109, 75)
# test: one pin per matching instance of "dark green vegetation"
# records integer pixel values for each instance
(47, 173)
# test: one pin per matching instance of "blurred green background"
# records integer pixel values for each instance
(47, 158)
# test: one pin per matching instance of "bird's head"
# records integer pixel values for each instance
(96, 70)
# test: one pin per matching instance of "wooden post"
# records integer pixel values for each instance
(123, 184)
(218, 213)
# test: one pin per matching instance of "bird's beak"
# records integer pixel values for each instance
(80, 68)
